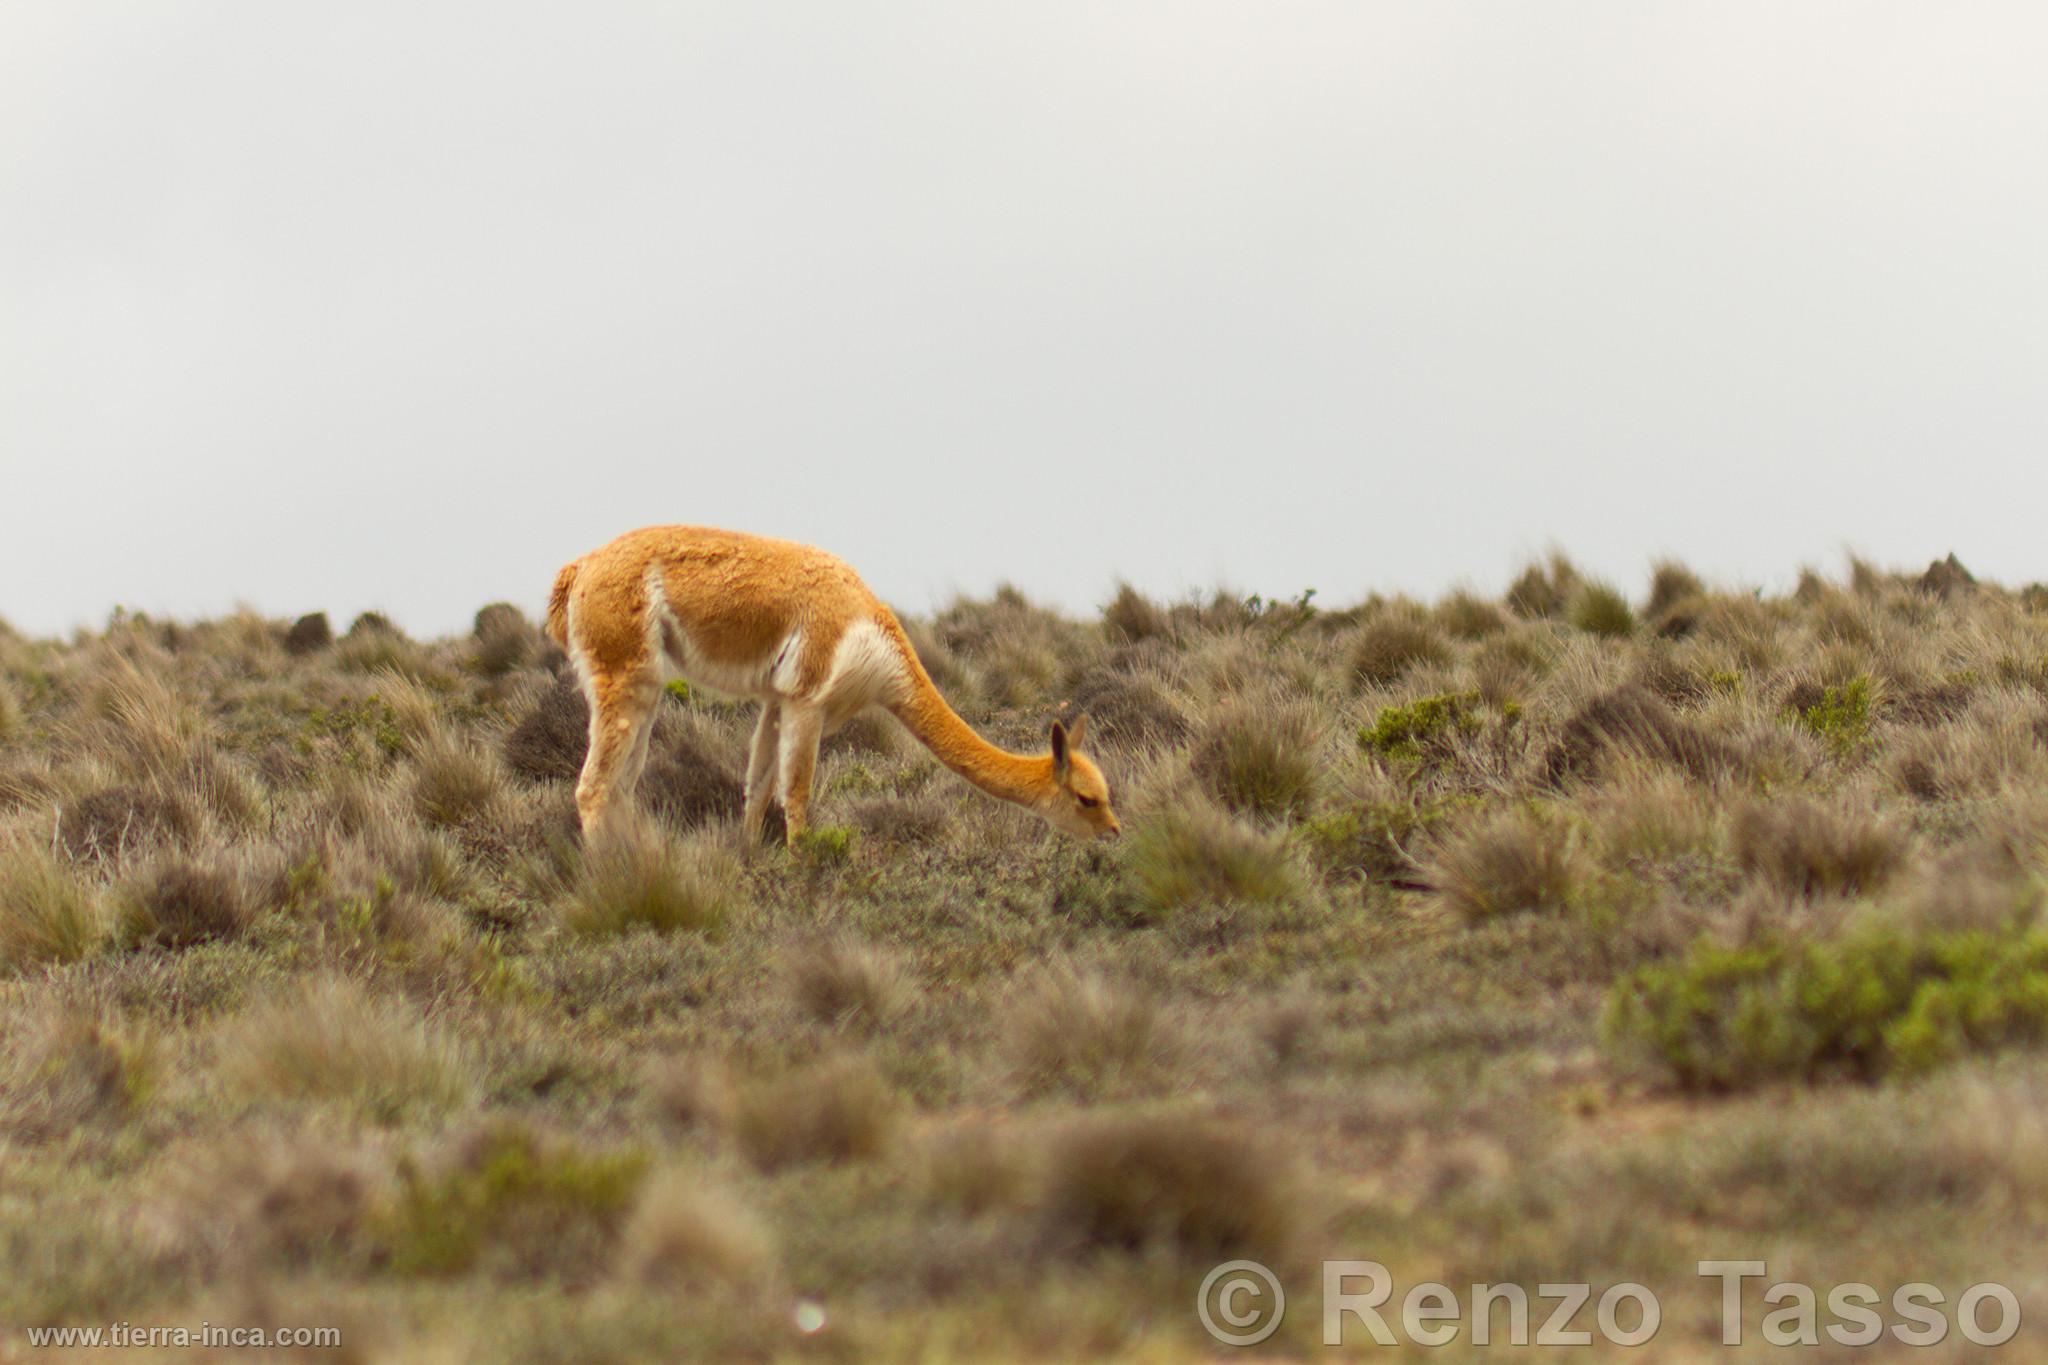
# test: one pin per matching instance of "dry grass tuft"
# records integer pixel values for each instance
(687, 1234)
(1810, 849)
(1632, 722)
(1131, 616)
(113, 823)
(1670, 584)
(182, 901)
(68, 1067)
(1192, 1187)
(845, 983)
(1261, 759)
(1507, 863)
(1392, 646)
(12, 722)
(333, 1042)
(904, 821)
(1466, 616)
(1081, 1033)
(1599, 609)
(1129, 709)
(1542, 590)
(455, 783)
(1193, 854)
(48, 913)
(641, 878)
(839, 1110)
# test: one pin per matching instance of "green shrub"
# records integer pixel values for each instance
(1422, 727)
(511, 1199)
(1880, 1000)
(1193, 854)
(1841, 717)
(1374, 839)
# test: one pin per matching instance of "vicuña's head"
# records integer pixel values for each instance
(1078, 801)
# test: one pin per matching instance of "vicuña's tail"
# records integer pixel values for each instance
(557, 624)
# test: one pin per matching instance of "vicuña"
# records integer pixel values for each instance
(753, 617)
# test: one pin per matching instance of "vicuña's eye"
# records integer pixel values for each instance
(1088, 802)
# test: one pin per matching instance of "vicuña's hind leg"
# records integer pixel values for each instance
(621, 715)
(761, 768)
(803, 725)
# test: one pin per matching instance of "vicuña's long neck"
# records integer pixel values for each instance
(1021, 778)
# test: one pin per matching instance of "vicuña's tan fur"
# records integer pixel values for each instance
(795, 627)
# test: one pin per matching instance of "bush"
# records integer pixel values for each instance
(1812, 850)
(309, 634)
(1193, 854)
(1374, 840)
(1882, 999)
(832, 1111)
(642, 879)
(1423, 728)
(1390, 647)
(47, 913)
(1195, 1188)
(1261, 759)
(504, 639)
(1511, 862)
(514, 1203)
(550, 740)
(1839, 715)
(1599, 609)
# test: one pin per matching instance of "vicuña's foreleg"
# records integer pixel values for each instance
(761, 763)
(620, 720)
(802, 725)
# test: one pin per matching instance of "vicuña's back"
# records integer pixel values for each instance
(795, 627)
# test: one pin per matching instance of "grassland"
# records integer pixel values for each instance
(1573, 935)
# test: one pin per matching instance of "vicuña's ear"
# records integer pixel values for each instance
(1076, 730)
(1059, 751)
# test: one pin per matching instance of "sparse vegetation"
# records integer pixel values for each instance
(1520, 935)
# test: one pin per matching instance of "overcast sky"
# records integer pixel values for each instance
(401, 305)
